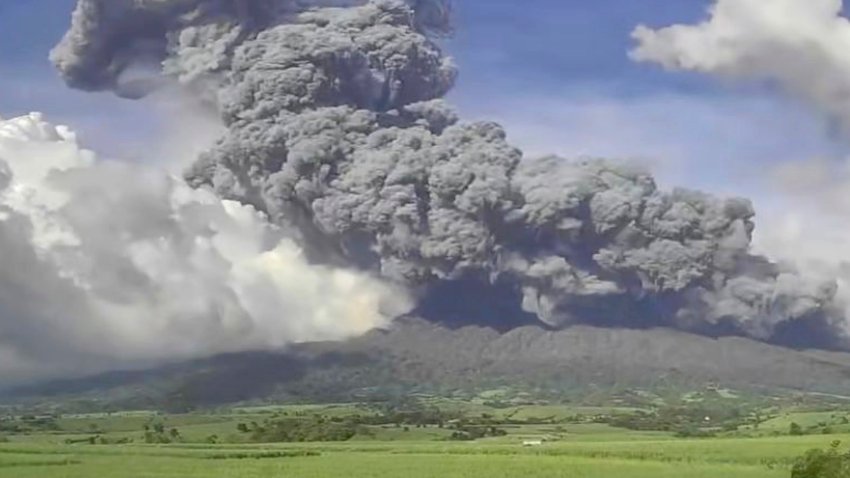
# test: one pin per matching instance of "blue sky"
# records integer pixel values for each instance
(28, 30)
(555, 72)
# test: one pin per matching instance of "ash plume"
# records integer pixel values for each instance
(336, 129)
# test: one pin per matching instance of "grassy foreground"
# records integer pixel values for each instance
(503, 457)
(568, 441)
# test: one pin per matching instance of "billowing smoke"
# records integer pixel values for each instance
(110, 264)
(803, 47)
(336, 130)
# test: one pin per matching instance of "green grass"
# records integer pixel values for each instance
(782, 423)
(331, 410)
(135, 422)
(384, 465)
(574, 450)
(503, 457)
(20, 460)
(557, 412)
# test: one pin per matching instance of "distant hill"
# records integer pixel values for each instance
(418, 356)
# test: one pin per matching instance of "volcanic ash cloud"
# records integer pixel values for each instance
(336, 129)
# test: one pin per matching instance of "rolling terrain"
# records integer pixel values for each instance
(418, 356)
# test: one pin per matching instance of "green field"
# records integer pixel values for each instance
(728, 458)
(573, 445)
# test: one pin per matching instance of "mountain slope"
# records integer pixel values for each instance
(416, 355)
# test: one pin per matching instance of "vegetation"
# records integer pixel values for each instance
(817, 463)
(155, 433)
(314, 429)
(496, 434)
(29, 424)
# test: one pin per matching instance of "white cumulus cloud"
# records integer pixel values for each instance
(108, 264)
(801, 46)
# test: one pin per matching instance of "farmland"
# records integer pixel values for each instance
(574, 442)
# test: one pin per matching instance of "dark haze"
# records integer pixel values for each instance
(336, 128)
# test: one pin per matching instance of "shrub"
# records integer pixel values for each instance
(304, 430)
(822, 464)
